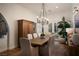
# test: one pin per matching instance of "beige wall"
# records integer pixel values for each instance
(13, 12)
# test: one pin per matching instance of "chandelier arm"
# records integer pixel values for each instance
(43, 10)
(43, 15)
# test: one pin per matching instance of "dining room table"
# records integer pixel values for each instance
(38, 42)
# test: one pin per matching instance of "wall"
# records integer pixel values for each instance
(12, 13)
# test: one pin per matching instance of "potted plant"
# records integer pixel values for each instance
(63, 25)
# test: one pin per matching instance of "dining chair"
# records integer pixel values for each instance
(75, 39)
(35, 35)
(46, 50)
(29, 36)
(27, 49)
(39, 34)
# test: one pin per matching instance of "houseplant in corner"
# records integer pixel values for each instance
(63, 25)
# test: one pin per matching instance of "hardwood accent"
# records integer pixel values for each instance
(39, 42)
(25, 27)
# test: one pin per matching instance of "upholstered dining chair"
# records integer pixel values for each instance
(27, 49)
(39, 34)
(46, 50)
(35, 35)
(29, 36)
(75, 39)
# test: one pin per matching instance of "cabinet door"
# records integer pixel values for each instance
(25, 28)
(30, 28)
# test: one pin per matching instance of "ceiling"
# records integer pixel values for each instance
(51, 8)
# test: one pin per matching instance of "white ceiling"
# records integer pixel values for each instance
(50, 7)
(53, 13)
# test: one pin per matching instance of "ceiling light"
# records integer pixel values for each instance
(56, 6)
(42, 18)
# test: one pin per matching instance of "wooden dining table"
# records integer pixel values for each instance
(38, 42)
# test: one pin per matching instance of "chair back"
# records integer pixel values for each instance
(75, 39)
(35, 35)
(29, 36)
(51, 41)
(39, 34)
(25, 46)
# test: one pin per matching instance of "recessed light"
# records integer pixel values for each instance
(56, 6)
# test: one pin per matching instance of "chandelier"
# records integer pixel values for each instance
(76, 10)
(42, 18)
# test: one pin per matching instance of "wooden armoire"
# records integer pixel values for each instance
(25, 27)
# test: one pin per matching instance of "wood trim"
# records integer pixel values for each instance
(26, 20)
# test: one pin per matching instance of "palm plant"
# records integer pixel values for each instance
(63, 25)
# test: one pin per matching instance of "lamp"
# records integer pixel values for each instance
(42, 18)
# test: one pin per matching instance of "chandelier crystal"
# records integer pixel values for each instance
(42, 18)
